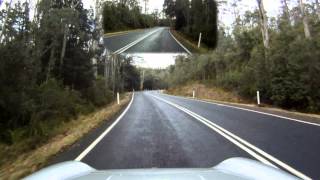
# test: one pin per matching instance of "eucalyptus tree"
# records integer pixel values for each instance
(63, 35)
(146, 6)
(182, 13)
(286, 10)
(169, 8)
(211, 23)
(196, 17)
(317, 8)
(264, 24)
(305, 20)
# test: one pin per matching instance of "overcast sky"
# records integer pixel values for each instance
(272, 7)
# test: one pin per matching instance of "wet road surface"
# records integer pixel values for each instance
(165, 132)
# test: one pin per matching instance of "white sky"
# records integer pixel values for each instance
(154, 60)
(226, 11)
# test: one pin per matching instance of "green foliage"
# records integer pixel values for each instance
(294, 75)
(51, 105)
(38, 110)
(123, 16)
(169, 8)
(286, 74)
(55, 102)
(131, 76)
(229, 80)
(154, 79)
(195, 17)
(99, 94)
(46, 73)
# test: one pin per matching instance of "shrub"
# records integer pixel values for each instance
(54, 104)
(99, 94)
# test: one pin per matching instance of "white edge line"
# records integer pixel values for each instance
(250, 110)
(121, 50)
(225, 133)
(95, 142)
(180, 43)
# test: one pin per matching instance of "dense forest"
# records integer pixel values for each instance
(277, 56)
(194, 17)
(48, 73)
(153, 79)
(126, 15)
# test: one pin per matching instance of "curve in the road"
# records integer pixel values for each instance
(159, 42)
(156, 40)
(241, 143)
(125, 48)
(116, 42)
(293, 142)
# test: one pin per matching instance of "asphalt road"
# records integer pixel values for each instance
(164, 131)
(153, 40)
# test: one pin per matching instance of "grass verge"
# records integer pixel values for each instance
(205, 92)
(190, 44)
(21, 163)
(219, 95)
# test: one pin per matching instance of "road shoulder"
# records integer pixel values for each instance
(303, 117)
(84, 127)
(188, 43)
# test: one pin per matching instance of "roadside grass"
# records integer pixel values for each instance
(203, 91)
(21, 159)
(189, 43)
(215, 94)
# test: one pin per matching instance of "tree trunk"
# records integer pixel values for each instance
(106, 69)
(96, 43)
(318, 9)
(50, 64)
(5, 22)
(305, 20)
(65, 36)
(145, 6)
(264, 24)
(64, 45)
(36, 15)
(286, 9)
(235, 11)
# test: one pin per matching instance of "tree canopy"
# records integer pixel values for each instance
(47, 70)
(285, 71)
(194, 17)
(124, 15)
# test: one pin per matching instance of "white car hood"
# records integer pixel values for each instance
(234, 168)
